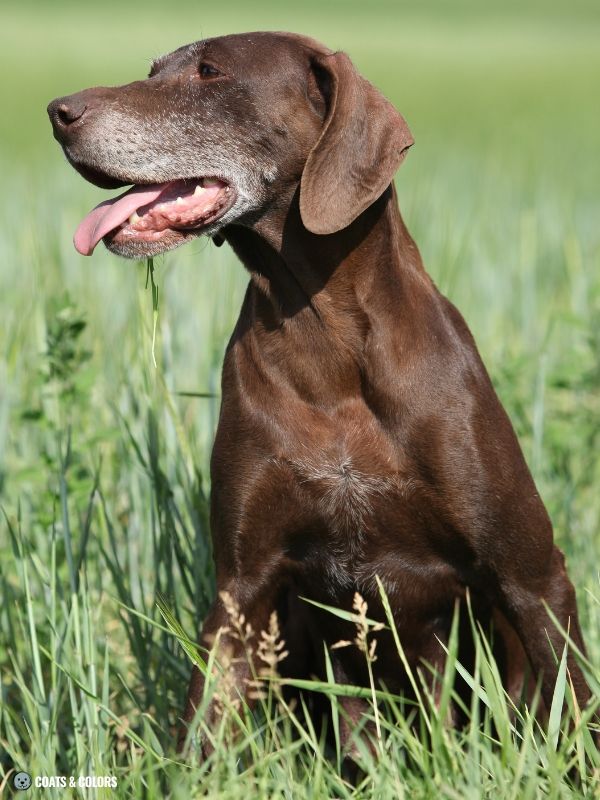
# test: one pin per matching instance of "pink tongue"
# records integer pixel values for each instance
(111, 213)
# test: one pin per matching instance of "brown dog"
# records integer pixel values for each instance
(359, 435)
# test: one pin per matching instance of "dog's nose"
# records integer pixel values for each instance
(64, 113)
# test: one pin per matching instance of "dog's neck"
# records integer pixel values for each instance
(295, 272)
(327, 301)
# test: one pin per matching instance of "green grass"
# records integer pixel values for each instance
(104, 465)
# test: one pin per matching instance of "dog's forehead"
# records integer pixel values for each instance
(261, 48)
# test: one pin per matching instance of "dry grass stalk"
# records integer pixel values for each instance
(363, 628)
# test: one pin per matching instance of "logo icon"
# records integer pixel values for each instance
(22, 781)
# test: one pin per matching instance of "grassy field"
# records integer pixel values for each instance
(104, 465)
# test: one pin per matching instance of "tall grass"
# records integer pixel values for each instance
(105, 563)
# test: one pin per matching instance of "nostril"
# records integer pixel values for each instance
(66, 115)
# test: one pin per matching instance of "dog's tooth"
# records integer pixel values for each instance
(134, 218)
(199, 190)
(209, 182)
(179, 201)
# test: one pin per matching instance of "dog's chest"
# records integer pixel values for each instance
(345, 496)
(351, 486)
(348, 469)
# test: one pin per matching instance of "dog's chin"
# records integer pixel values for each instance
(125, 246)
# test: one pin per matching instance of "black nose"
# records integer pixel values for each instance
(64, 113)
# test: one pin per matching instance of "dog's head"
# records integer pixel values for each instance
(224, 131)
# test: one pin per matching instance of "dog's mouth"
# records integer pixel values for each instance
(156, 216)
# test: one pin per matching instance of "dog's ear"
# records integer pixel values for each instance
(363, 141)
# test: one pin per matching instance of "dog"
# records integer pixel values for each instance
(360, 441)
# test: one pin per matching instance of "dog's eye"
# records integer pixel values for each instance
(208, 71)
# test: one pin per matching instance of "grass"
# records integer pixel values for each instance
(104, 457)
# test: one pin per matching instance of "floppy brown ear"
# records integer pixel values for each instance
(363, 141)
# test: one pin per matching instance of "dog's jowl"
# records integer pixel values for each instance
(360, 440)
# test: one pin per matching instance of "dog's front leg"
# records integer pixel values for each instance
(231, 631)
(526, 603)
(249, 527)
